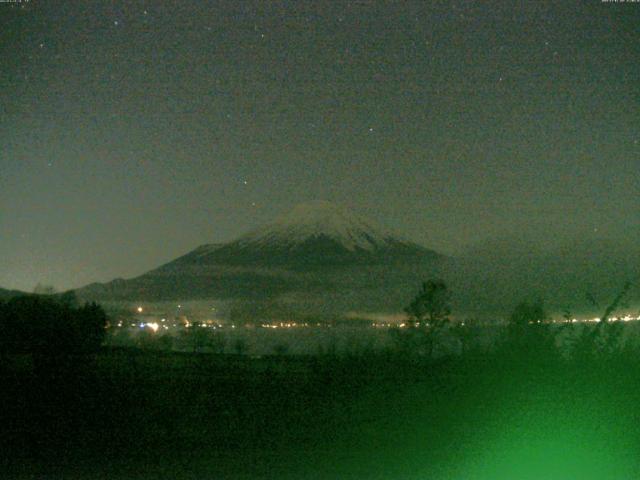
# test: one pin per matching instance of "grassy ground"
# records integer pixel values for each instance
(144, 415)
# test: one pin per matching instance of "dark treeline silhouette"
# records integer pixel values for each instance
(385, 413)
(48, 371)
(50, 326)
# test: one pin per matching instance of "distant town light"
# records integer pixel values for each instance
(139, 309)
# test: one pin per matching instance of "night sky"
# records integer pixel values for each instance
(132, 132)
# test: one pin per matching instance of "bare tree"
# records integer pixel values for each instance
(431, 307)
(430, 310)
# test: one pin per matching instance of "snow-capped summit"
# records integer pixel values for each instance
(312, 234)
(321, 219)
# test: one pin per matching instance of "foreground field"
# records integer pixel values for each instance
(128, 414)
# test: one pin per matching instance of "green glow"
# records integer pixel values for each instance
(541, 439)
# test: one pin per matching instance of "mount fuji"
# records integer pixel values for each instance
(318, 249)
(311, 236)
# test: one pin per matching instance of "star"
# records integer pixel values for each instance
(116, 23)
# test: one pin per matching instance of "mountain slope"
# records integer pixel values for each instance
(322, 257)
(314, 250)
(9, 294)
(312, 235)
